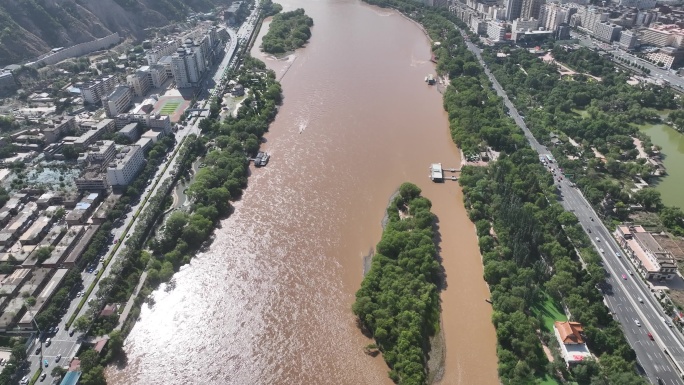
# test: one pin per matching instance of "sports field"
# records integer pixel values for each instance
(169, 108)
(171, 105)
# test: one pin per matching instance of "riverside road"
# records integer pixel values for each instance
(661, 358)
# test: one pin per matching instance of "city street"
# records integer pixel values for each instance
(65, 345)
(675, 80)
(660, 358)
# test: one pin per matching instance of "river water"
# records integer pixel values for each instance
(672, 144)
(269, 302)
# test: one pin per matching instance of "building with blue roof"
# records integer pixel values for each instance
(71, 378)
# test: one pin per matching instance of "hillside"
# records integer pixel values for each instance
(32, 27)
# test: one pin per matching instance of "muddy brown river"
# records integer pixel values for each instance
(269, 302)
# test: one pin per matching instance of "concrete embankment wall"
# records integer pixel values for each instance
(77, 50)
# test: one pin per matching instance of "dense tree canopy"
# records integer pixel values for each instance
(287, 32)
(398, 301)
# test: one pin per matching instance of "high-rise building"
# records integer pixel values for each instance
(188, 64)
(590, 17)
(530, 9)
(165, 49)
(551, 15)
(525, 25)
(95, 90)
(628, 40)
(140, 81)
(118, 101)
(513, 9)
(607, 31)
(639, 4)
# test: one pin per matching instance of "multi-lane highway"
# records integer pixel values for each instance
(627, 296)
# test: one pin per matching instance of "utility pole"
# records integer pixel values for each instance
(40, 340)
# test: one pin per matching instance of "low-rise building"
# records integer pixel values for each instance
(83, 209)
(125, 167)
(43, 297)
(35, 233)
(131, 131)
(80, 247)
(571, 342)
(92, 179)
(92, 135)
(652, 260)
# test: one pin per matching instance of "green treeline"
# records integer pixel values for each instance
(613, 109)
(398, 302)
(226, 146)
(269, 8)
(531, 256)
(287, 32)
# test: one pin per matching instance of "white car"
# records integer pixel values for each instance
(636, 321)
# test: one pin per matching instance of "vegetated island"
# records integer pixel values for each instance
(287, 32)
(398, 302)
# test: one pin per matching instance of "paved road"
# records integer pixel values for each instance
(623, 295)
(675, 80)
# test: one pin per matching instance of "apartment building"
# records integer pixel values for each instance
(94, 91)
(639, 4)
(590, 17)
(123, 169)
(118, 101)
(478, 26)
(530, 9)
(628, 40)
(188, 64)
(663, 35)
(496, 31)
(525, 25)
(157, 75)
(606, 31)
(551, 15)
(57, 127)
(164, 49)
(140, 81)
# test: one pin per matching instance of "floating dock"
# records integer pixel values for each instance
(436, 172)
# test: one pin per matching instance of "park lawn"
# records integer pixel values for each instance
(550, 312)
(547, 380)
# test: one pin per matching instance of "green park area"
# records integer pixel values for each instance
(549, 311)
(169, 108)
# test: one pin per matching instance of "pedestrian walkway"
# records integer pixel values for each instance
(131, 301)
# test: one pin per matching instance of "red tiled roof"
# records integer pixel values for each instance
(570, 332)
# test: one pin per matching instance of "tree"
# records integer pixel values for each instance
(409, 191)
(58, 372)
(43, 253)
(30, 301)
(70, 153)
(89, 360)
(59, 213)
(649, 198)
(82, 324)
